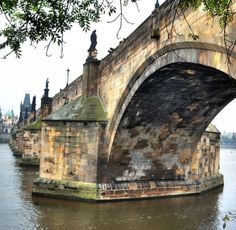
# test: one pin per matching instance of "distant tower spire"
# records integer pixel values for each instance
(21, 107)
(157, 4)
(67, 74)
(34, 104)
(26, 116)
(21, 117)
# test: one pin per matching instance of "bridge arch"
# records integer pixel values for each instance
(168, 104)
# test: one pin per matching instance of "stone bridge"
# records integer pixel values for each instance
(133, 125)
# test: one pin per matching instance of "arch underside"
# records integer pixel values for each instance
(164, 121)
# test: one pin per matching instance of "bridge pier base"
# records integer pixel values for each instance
(96, 192)
(73, 161)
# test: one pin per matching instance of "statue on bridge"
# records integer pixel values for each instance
(93, 39)
(46, 90)
(47, 82)
(92, 49)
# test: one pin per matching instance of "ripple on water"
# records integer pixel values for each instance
(18, 211)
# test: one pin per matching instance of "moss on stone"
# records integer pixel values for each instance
(19, 130)
(81, 109)
(66, 188)
(29, 161)
(36, 125)
(17, 152)
(93, 110)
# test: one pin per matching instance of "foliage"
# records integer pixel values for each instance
(230, 216)
(48, 20)
(220, 8)
(34, 126)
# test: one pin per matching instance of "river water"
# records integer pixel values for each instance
(18, 210)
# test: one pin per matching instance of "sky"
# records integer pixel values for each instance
(29, 73)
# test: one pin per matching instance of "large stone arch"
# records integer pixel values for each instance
(166, 107)
(206, 54)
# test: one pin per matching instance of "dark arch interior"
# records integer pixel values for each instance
(166, 118)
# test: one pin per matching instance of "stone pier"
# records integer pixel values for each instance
(72, 172)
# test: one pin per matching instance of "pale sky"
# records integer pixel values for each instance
(29, 73)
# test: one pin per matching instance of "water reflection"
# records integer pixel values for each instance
(171, 213)
(19, 211)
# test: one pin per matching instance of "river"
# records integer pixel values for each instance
(18, 210)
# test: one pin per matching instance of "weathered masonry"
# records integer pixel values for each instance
(26, 135)
(136, 124)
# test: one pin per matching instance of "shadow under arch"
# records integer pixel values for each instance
(165, 118)
(209, 55)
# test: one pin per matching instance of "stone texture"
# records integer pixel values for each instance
(156, 95)
(70, 150)
(69, 168)
(123, 190)
(27, 143)
(31, 146)
(80, 109)
(69, 93)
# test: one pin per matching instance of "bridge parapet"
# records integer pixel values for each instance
(69, 93)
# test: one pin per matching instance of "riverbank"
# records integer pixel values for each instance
(228, 146)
